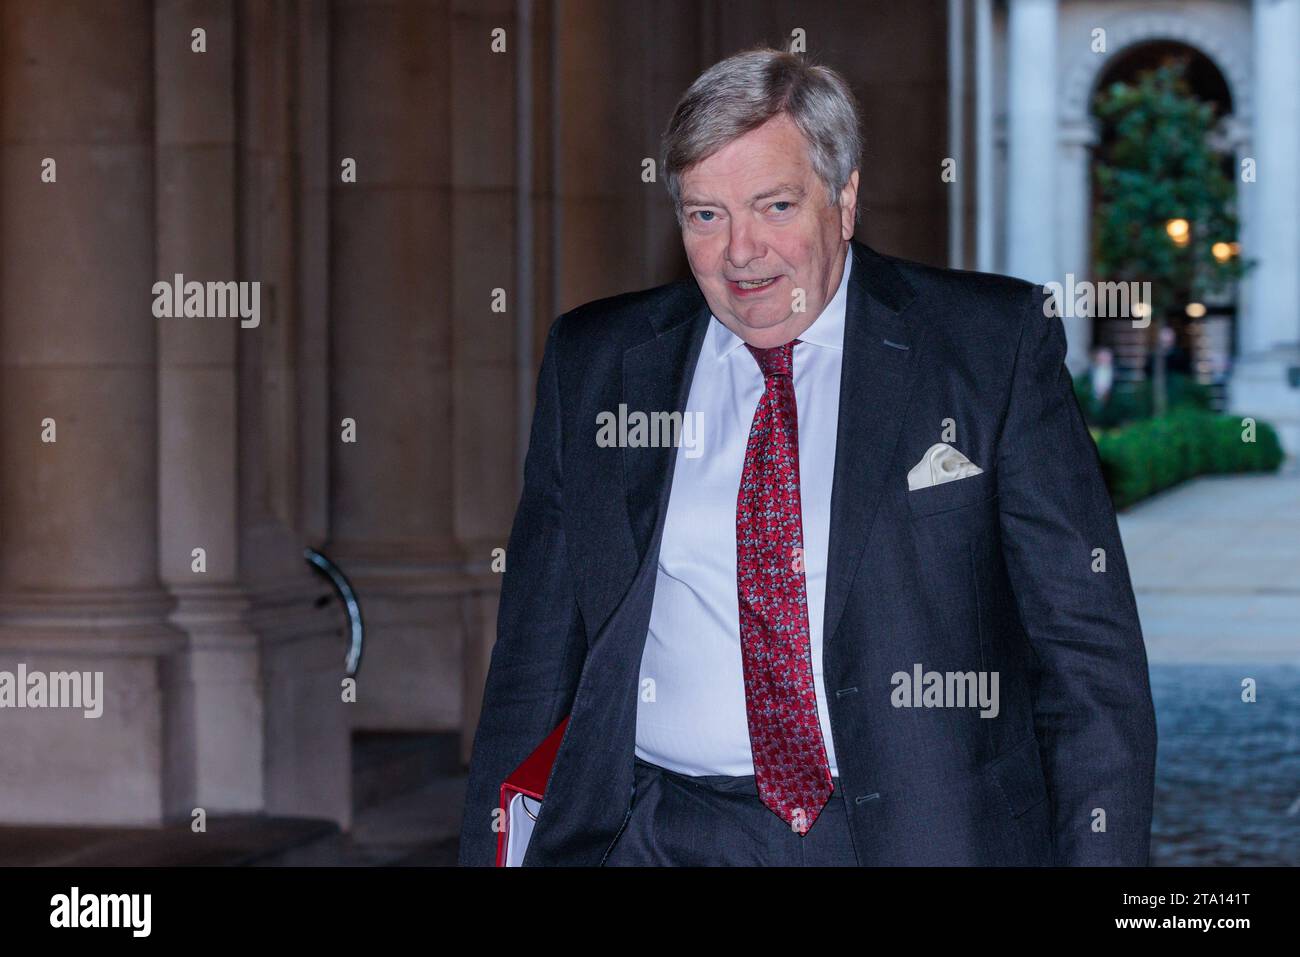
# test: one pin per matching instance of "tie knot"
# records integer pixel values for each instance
(779, 360)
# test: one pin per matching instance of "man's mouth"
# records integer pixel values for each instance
(752, 285)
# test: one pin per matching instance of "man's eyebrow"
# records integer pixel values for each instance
(794, 189)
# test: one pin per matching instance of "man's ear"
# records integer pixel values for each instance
(849, 206)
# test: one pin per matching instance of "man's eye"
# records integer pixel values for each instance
(705, 215)
(781, 205)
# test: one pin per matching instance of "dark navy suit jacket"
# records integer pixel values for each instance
(999, 571)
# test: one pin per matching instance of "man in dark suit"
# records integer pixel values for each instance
(861, 599)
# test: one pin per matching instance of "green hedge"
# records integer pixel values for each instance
(1144, 457)
(1130, 401)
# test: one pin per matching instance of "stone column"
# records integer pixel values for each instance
(1275, 319)
(285, 169)
(1074, 228)
(1264, 381)
(79, 587)
(985, 147)
(214, 687)
(494, 103)
(393, 254)
(957, 107)
(1031, 138)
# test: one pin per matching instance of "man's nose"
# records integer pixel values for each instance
(743, 246)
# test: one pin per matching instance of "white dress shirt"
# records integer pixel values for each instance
(691, 705)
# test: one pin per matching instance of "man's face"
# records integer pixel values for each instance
(756, 210)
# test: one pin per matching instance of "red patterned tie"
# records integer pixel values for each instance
(790, 766)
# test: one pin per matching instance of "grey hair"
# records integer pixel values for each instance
(746, 90)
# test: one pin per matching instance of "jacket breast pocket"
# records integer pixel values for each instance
(947, 496)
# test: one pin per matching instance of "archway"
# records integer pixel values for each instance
(1198, 339)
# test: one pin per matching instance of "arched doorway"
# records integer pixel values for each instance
(1197, 338)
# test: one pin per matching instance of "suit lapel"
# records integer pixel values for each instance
(657, 377)
(878, 368)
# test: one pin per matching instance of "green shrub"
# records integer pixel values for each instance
(1150, 455)
(1128, 402)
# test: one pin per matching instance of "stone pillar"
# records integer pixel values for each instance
(1074, 229)
(985, 147)
(1264, 382)
(485, 255)
(598, 163)
(214, 686)
(284, 165)
(1032, 142)
(495, 100)
(79, 587)
(1275, 294)
(393, 256)
(957, 108)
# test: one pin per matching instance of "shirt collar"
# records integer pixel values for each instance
(827, 330)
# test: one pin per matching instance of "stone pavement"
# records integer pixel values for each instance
(1215, 564)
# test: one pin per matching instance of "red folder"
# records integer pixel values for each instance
(521, 799)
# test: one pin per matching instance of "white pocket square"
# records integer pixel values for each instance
(940, 463)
